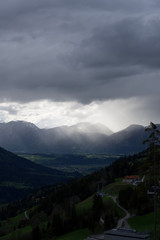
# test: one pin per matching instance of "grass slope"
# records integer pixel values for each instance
(114, 188)
(19, 175)
(145, 223)
(10, 225)
(18, 234)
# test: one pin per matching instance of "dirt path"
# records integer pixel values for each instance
(124, 219)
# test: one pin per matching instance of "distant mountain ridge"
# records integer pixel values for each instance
(20, 136)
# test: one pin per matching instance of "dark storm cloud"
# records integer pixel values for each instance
(78, 50)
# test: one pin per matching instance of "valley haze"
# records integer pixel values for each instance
(82, 138)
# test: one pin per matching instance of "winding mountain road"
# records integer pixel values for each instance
(26, 215)
(124, 219)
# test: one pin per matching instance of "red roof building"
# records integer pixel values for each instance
(131, 179)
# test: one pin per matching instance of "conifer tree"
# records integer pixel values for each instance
(154, 143)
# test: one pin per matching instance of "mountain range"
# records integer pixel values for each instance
(20, 136)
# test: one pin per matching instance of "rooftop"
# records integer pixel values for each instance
(120, 234)
(132, 177)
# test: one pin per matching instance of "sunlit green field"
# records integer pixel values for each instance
(83, 164)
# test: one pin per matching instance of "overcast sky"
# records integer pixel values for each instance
(69, 61)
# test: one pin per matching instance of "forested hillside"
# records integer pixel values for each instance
(62, 206)
(19, 176)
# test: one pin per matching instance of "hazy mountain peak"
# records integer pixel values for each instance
(134, 127)
(86, 127)
(22, 124)
(82, 137)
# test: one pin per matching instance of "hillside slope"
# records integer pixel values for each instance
(19, 175)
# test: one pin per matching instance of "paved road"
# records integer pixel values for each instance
(124, 219)
(26, 216)
(142, 180)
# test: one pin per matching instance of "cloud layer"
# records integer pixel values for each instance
(78, 50)
(89, 56)
(116, 114)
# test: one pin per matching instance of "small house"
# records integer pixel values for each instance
(131, 179)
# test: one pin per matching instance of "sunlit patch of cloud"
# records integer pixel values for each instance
(115, 114)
